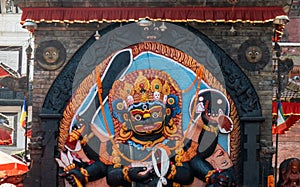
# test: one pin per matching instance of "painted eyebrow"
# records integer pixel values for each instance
(155, 109)
(136, 111)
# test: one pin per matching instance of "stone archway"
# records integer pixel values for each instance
(182, 37)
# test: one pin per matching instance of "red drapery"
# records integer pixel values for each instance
(3, 73)
(288, 108)
(174, 14)
(291, 111)
(5, 137)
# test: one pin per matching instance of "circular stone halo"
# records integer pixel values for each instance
(51, 54)
(253, 55)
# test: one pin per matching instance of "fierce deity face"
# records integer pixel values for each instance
(144, 108)
(147, 118)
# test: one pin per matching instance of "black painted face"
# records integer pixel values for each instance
(151, 32)
(215, 104)
(211, 105)
(147, 117)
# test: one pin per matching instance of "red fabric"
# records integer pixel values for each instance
(175, 14)
(5, 137)
(288, 108)
(10, 166)
(3, 73)
(291, 111)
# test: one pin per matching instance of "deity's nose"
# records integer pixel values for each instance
(146, 115)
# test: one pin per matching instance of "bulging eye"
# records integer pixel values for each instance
(54, 53)
(145, 107)
(120, 106)
(47, 53)
(155, 114)
(201, 98)
(156, 28)
(219, 101)
(146, 28)
(138, 117)
(171, 101)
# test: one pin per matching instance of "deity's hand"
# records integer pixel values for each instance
(225, 123)
(223, 179)
(74, 177)
(72, 142)
(141, 174)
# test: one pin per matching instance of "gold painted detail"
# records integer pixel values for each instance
(125, 174)
(85, 173)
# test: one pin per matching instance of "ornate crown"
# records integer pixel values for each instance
(143, 86)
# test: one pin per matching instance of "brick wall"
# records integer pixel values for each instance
(43, 79)
(288, 144)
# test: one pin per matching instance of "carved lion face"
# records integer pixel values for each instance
(253, 54)
(51, 54)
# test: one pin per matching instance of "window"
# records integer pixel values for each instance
(8, 6)
(12, 57)
(8, 129)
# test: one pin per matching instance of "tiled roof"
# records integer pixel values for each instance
(291, 91)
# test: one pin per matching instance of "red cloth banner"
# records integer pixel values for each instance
(289, 108)
(173, 14)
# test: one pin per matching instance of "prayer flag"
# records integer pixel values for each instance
(23, 114)
(280, 115)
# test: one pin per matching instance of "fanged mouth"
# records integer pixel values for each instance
(148, 128)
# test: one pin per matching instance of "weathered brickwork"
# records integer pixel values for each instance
(43, 79)
(288, 144)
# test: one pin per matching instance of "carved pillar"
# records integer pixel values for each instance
(33, 177)
(266, 155)
(250, 139)
(43, 147)
(50, 124)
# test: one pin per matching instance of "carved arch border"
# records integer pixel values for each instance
(236, 81)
